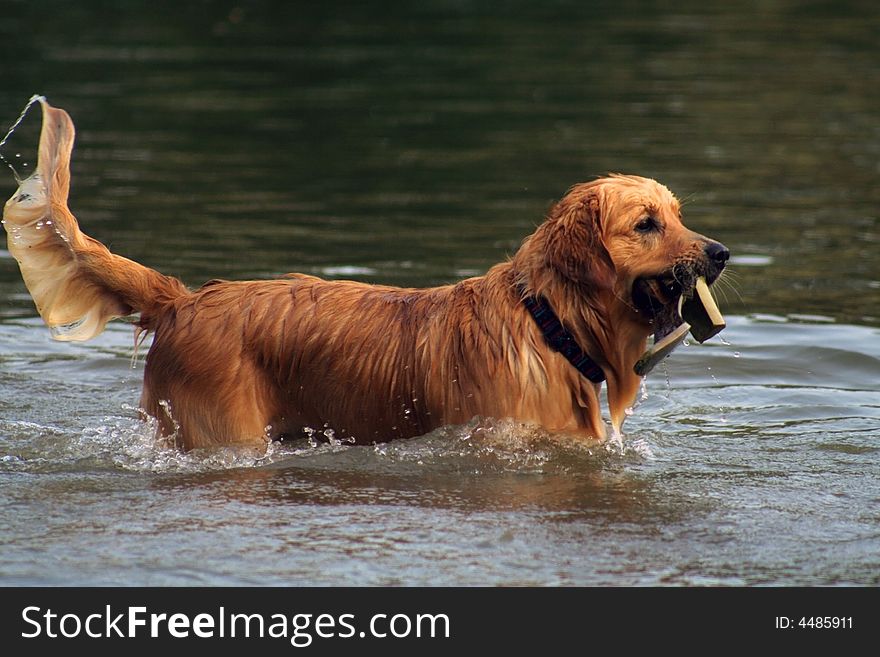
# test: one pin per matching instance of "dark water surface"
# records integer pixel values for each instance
(415, 143)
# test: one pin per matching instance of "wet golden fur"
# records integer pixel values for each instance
(244, 362)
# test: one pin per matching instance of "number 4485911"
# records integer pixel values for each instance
(815, 622)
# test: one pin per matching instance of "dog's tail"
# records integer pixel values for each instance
(76, 283)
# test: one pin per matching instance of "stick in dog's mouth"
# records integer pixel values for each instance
(696, 313)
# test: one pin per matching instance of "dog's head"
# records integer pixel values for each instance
(656, 259)
(619, 244)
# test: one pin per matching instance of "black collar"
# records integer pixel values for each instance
(559, 338)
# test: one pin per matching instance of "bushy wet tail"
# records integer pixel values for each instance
(76, 283)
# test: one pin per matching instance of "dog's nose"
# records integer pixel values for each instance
(717, 253)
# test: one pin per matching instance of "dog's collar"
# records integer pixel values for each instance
(558, 337)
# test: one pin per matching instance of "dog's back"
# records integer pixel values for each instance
(240, 362)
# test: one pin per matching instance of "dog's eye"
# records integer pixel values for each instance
(647, 225)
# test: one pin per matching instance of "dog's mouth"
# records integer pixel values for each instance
(657, 299)
(675, 302)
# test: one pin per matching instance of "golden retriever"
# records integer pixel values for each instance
(242, 363)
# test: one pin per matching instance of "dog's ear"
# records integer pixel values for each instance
(574, 246)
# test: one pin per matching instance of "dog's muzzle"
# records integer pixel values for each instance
(678, 301)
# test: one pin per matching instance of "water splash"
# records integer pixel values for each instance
(119, 442)
(310, 436)
(326, 435)
(126, 442)
(509, 445)
(487, 445)
(614, 444)
(34, 99)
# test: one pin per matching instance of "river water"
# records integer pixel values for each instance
(415, 143)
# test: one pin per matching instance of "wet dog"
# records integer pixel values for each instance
(242, 363)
